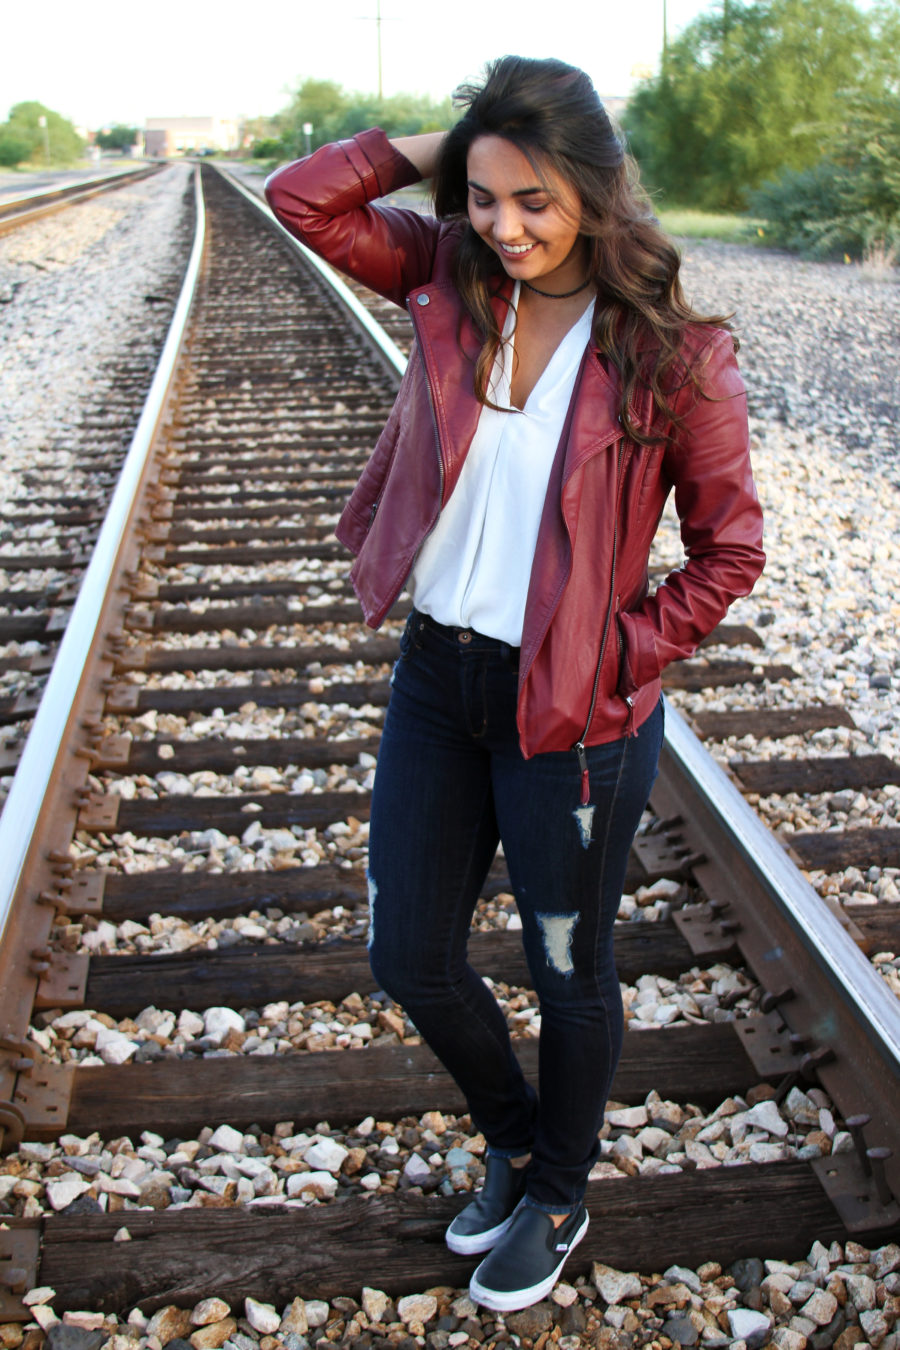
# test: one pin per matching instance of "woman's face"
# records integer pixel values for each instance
(529, 220)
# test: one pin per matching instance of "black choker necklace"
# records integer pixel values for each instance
(548, 295)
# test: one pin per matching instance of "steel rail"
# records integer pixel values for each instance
(839, 958)
(820, 986)
(47, 739)
(387, 349)
(17, 211)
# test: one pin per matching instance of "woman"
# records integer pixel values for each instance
(559, 388)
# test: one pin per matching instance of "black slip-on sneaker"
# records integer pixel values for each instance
(528, 1260)
(486, 1219)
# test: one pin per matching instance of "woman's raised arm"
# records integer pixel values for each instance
(327, 201)
(422, 151)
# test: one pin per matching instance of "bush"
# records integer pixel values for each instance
(14, 148)
(270, 147)
(850, 201)
(58, 136)
(117, 137)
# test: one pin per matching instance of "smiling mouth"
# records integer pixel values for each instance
(515, 250)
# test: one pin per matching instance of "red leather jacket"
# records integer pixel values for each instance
(595, 638)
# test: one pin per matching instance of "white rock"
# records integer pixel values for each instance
(651, 1138)
(614, 1286)
(861, 1291)
(317, 1185)
(764, 1153)
(627, 1117)
(417, 1308)
(749, 1326)
(262, 1316)
(217, 1022)
(227, 1139)
(875, 1325)
(316, 1312)
(65, 1189)
(326, 1154)
(113, 1047)
(209, 1310)
(682, 1275)
(189, 1024)
(35, 1297)
(767, 1117)
(787, 1339)
(88, 1321)
(416, 1169)
(887, 1259)
(31, 1151)
(820, 1308)
(374, 1302)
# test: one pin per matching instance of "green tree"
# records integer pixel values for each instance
(14, 148)
(320, 102)
(334, 114)
(58, 140)
(745, 92)
(850, 201)
(117, 137)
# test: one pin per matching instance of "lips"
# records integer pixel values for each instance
(516, 250)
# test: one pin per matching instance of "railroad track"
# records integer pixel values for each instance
(197, 779)
(31, 206)
(50, 515)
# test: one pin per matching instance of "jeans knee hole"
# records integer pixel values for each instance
(373, 892)
(557, 931)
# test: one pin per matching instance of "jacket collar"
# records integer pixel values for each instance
(449, 345)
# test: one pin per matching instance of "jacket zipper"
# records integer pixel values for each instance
(611, 608)
(437, 434)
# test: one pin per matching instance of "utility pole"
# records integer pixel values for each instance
(377, 21)
(665, 37)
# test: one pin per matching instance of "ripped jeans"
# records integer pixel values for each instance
(451, 781)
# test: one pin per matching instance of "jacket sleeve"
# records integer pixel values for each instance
(326, 200)
(708, 462)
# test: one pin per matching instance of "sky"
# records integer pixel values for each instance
(102, 61)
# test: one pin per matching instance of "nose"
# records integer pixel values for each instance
(507, 223)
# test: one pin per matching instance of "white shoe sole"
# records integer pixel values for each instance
(467, 1244)
(502, 1300)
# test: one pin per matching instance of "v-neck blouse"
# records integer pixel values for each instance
(474, 568)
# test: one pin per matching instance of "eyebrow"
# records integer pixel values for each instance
(522, 192)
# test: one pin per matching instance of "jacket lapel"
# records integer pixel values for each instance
(449, 345)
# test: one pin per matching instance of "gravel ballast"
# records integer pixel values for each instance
(819, 357)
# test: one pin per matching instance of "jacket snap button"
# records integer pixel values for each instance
(465, 637)
(421, 299)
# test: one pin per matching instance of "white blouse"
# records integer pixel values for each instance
(474, 568)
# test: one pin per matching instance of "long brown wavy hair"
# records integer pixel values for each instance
(551, 112)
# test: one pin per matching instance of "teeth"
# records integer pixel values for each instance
(516, 248)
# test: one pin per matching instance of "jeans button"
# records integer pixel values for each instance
(465, 637)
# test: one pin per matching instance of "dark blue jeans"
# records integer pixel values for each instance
(451, 782)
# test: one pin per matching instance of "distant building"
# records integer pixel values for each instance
(168, 136)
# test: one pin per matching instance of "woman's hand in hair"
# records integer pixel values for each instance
(421, 151)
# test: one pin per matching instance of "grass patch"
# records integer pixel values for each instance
(726, 228)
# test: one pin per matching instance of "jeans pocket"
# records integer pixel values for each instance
(410, 638)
